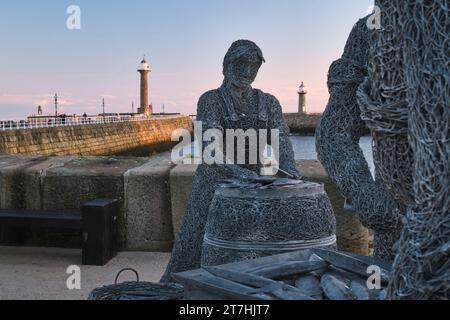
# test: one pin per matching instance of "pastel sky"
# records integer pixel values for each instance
(184, 40)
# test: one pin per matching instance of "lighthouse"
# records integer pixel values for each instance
(144, 70)
(302, 99)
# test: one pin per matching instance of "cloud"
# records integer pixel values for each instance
(43, 99)
(33, 99)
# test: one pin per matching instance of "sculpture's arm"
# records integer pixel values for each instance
(209, 114)
(285, 154)
(340, 130)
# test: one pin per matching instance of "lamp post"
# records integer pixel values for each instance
(56, 106)
(103, 106)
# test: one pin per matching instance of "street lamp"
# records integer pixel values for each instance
(56, 106)
(103, 105)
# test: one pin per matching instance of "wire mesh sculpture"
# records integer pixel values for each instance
(338, 135)
(382, 99)
(405, 101)
(235, 105)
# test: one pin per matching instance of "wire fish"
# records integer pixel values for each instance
(287, 269)
(220, 286)
(335, 289)
(284, 294)
(310, 285)
(349, 263)
(282, 291)
(359, 291)
(383, 295)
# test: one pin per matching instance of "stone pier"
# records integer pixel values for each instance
(149, 135)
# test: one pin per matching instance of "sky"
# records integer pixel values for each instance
(184, 41)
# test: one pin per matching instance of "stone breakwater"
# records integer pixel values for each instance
(304, 124)
(149, 136)
(153, 194)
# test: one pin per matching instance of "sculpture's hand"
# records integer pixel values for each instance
(290, 175)
(243, 173)
(377, 209)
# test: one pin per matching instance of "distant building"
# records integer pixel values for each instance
(144, 69)
(302, 92)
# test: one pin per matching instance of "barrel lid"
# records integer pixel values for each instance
(268, 188)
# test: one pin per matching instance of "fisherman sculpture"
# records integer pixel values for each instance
(402, 95)
(235, 105)
(337, 138)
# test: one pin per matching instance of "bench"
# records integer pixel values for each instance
(97, 223)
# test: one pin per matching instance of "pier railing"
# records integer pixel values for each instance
(35, 122)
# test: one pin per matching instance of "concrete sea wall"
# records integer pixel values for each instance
(94, 139)
(65, 183)
(153, 193)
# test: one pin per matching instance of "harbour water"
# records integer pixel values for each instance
(305, 149)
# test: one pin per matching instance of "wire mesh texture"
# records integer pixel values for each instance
(137, 290)
(405, 103)
(338, 135)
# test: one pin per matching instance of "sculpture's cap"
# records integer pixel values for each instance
(240, 48)
(144, 66)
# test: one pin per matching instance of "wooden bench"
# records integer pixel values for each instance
(97, 223)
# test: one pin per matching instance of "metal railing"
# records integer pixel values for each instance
(51, 122)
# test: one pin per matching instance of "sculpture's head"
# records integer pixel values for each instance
(242, 63)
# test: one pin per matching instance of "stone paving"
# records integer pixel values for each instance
(40, 273)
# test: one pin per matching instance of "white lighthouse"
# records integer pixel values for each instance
(302, 92)
(144, 69)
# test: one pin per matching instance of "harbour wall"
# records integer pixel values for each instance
(303, 124)
(145, 136)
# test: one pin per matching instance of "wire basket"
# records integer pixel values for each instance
(138, 290)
